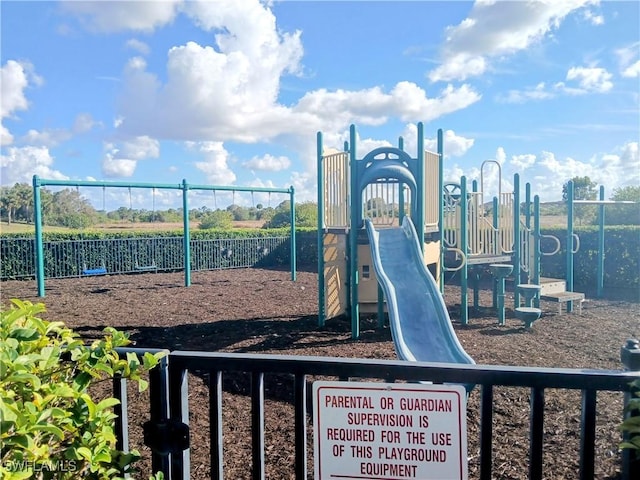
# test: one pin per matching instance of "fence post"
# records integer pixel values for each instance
(630, 357)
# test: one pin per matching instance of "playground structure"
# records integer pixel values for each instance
(148, 246)
(458, 230)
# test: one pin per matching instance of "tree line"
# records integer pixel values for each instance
(67, 208)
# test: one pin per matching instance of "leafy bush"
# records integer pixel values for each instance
(631, 425)
(50, 425)
(216, 219)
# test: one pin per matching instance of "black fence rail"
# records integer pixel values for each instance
(115, 256)
(167, 432)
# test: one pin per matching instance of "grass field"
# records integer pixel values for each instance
(27, 228)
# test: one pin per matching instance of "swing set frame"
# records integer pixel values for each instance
(184, 186)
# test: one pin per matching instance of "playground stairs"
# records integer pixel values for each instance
(555, 290)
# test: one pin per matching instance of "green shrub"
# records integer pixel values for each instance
(631, 425)
(50, 426)
(216, 219)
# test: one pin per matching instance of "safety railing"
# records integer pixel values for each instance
(170, 440)
(75, 258)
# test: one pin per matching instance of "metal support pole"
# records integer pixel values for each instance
(186, 237)
(464, 271)
(355, 198)
(321, 292)
(601, 221)
(441, 206)
(570, 242)
(517, 246)
(37, 220)
(292, 201)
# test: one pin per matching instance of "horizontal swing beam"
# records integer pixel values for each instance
(43, 182)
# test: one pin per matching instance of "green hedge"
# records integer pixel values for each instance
(621, 253)
(67, 254)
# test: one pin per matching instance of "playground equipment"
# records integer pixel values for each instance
(458, 229)
(573, 241)
(420, 323)
(185, 187)
(385, 185)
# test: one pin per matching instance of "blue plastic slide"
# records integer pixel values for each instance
(420, 323)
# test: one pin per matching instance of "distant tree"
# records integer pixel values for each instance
(216, 219)
(624, 214)
(70, 209)
(375, 207)
(24, 202)
(306, 215)
(8, 202)
(583, 189)
(239, 213)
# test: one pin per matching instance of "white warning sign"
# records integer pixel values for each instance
(389, 431)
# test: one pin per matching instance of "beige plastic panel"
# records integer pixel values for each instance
(335, 274)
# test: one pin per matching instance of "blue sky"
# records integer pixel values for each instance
(232, 93)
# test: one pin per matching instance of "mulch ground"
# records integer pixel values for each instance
(262, 311)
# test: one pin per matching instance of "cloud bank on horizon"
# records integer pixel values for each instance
(233, 93)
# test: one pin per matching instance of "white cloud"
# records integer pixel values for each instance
(591, 79)
(118, 167)
(141, 148)
(547, 173)
(138, 46)
(454, 145)
(632, 71)
(268, 163)
(373, 106)
(121, 160)
(628, 61)
(21, 163)
(13, 82)
(46, 138)
(523, 162)
(215, 165)
(229, 91)
(593, 18)
(495, 30)
(220, 92)
(106, 17)
(83, 123)
(588, 80)
(539, 92)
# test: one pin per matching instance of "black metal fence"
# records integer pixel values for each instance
(167, 432)
(73, 258)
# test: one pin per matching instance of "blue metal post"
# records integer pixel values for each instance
(517, 247)
(441, 206)
(320, 185)
(496, 224)
(353, 235)
(401, 198)
(420, 187)
(570, 242)
(527, 202)
(536, 247)
(186, 237)
(292, 200)
(37, 220)
(601, 222)
(464, 271)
